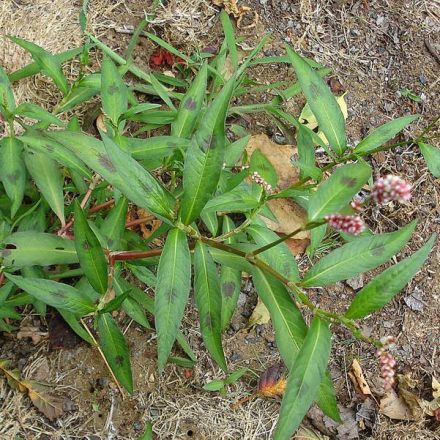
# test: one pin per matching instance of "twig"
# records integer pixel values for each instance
(83, 203)
(103, 357)
(139, 221)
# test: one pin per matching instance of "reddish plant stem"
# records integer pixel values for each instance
(133, 255)
(2, 278)
(102, 206)
(139, 221)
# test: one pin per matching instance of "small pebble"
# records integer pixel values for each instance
(138, 426)
(234, 357)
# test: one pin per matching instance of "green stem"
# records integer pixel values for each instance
(306, 227)
(298, 293)
(352, 156)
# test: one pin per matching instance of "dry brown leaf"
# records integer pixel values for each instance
(280, 156)
(297, 246)
(150, 225)
(273, 381)
(358, 379)
(309, 119)
(50, 405)
(230, 6)
(290, 216)
(260, 315)
(395, 407)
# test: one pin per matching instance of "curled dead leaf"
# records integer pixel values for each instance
(259, 316)
(289, 215)
(358, 379)
(272, 382)
(394, 407)
(50, 405)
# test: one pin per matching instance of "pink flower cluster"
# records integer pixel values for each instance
(387, 362)
(351, 224)
(390, 188)
(260, 181)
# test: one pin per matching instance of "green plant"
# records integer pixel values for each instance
(221, 384)
(69, 221)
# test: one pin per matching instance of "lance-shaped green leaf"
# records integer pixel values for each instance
(321, 101)
(172, 291)
(189, 110)
(113, 226)
(384, 133)
(337, 191)
(7, 99)
(235, 150)
(75, 325)
(154, 148)
(237, 200)
(12, 171)
(360, 255)
(113, 91)
(37, 142)
(49, 63)
(290, 328)
(91, 256)
(115, 349)
(58, 295)
(120, 170)
(49, 180)
(32, 248)
(34, 68)
(279, 257)
(34, 111)
(209, 302)
(230, 260)
(147, 190)
(204, 158)
(304, 379)
(382, 289)
(130, 306)
(87, 87)
(230, 280)
(431, 155)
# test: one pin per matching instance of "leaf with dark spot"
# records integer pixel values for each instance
(338, 190)
(105, 161)
(208, 299)
(360, 255)
(115, 349)
(304, 379)
(90, 253)
(172, 291)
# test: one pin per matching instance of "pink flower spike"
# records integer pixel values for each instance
(391, 188)
(351, 224)
(357, 203)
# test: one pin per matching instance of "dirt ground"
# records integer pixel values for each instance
(376, 48)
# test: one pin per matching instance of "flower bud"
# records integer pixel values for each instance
(351, 224)
(390, 188)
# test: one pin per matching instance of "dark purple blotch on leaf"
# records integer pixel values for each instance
(190, 104)
(348, 181)
(113, 89)
(228, 289)
(13, 177)
(105, 161)
(119, 360)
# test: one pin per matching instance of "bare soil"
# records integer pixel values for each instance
(375, 48)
